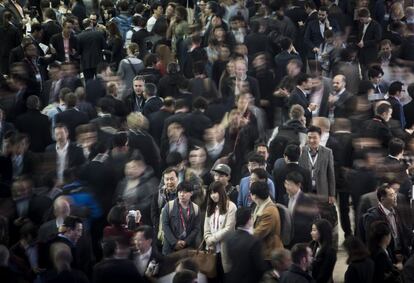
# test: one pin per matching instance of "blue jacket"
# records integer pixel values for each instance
(244, 194)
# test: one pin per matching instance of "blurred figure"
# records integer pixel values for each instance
(281, 261)
(360, 265)
(301, 263)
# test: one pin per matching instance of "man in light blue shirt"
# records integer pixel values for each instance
(257, 174)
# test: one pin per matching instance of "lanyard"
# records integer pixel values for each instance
(313, 160)
(182, 217)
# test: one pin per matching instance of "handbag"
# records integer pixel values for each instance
(206, 261)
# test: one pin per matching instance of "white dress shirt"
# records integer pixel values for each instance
(142, 260)
(62, 153)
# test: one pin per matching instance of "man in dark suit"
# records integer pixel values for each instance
(58, 39)
(300, 96)
(282, 59)
(377, 127)
(255, 41)
(394, 96)
(63, 153)
(90, 45)
(35, 125)
(302, 207)
(244, 251)
(61, 209)
(153, 103)
(199, 122)
(387, 210)
(340, 102)
(71, 117)
(139, 36)
(50, 26)
(146, 252)
(369, 35)
(291, 156)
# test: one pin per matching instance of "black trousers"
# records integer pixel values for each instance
(344, 212)
(89, 73)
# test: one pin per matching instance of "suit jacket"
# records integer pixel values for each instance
(37, 126)
(57, 42)
(245, 255)
(323, 263)
(139, 37)
(344, 105)
(279, 176)
(323, 169)
(94, 90)
(50, 28)
(298, 97)
(267, 227)
(156, 123)
(409, 113)
(74, 156)
(397, 109)
(227, 223)
(90, 46)
(372, 37)
(47, 230)
(152, 104)
(71, 118)
(305, 212)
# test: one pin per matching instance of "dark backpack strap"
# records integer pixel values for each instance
(131, 66)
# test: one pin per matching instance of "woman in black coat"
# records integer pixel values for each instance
(379, 239)
(324, 255)
(360, 265)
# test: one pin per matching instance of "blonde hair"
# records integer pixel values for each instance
(136, 121)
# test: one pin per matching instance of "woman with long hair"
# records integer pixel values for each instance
(164, 58)
(219, 221)
(115, 45)
(324, 254)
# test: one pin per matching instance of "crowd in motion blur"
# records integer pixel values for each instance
(209, 141)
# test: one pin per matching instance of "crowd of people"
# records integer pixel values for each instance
(182, 141)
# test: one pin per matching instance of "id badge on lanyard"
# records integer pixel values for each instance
(313, 163)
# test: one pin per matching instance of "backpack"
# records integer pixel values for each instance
(170, 205)
(124, 24)
(286, 227)
(284, 137)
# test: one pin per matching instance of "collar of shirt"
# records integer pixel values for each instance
(64, 148)
(295, 196)
(146, 255)
(341, 92)
(386, 211)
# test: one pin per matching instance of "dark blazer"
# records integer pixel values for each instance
(281, 61)
(75, 155)
(255, 43)
(156, 123)
(71, 118)
(152, 104)
(245, 256)
(360, 271)
(47, 231)
(116, 270)
(408, 270)
(139, 37)
(344, 105)
(50, 28)
(16, 55)
(37, 126)
(323, 263)
(279, 176)
(373, 35)
(397, 108)
(57, 43)
(90, 46)
(94, 90)
(199, 122)
(305, 212)
(377, 128)
(298, 97)
(383, 267)
(409, 113)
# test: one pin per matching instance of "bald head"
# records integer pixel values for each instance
(339, 83)
(61, 207)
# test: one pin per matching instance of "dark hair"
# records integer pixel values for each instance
(382, 191)
(323, 8)
(173, 159)
(101, 67)
(36, 27)
(169, 101)
(298, 252)
(108, 247)
(243, 215)
(295, 177)
(28, 229)
(301, 78)
(185, 186)
(394, 88)
(292, 152)
(285, 43)
(123, 5)
(363, 13)
(188, 264)
(200, 103)
(375, 71)
(71, 221)
(150, 89)
(260, 189)
(217, 187)
(33, 102)
(314, 129)
(71, 99)
(383, 108)
(260, 173)
(377, 231)
(356, 249)
(310, 4)
(396, 146)
(255, 157)
(150, 60)
(147, 230)
(116, 216)
(325, 233)
(155, 6)
(120, 139)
